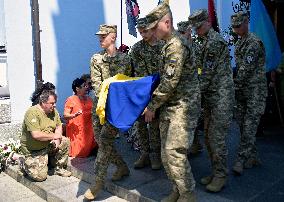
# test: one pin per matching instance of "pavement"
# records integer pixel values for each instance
(262, 183)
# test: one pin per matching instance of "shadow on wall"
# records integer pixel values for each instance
(75, 27)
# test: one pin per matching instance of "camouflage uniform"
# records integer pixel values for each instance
(36, 163)
(216, 84)
(250, 87)
(185, 30)
(39, 154)
(178, 98)
(102, 67)
(147, 60)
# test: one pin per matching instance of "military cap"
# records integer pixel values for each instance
(142, 22)
(198, 17)
(106, 29)
(156, 14)
(183, 26)
(238, 18)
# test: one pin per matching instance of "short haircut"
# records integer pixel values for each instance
(43, 98)
(77, 84)
(39, 90)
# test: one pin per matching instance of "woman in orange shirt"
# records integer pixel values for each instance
(77, 113)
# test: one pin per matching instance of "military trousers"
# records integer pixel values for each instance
(248, 115)
(107, 153)
(36, 163)
(218, 114)
(149, 138)
(178, 121)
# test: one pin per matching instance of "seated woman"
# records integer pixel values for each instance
(77, 113)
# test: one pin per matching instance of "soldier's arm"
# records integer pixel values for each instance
(96, 75)
(174, 61)
(32, 122)
(136, 61)
(128, 67)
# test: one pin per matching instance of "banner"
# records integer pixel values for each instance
(262, 26)
(132, 12)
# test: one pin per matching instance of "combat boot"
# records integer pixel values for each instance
(187, 197)
(156, 163)
(93, 191)
(216, 184)
(251, 162)
(62, 172)
(206, 180)
(238, 168)
(120, 172)
(144, 160)
(173, 197)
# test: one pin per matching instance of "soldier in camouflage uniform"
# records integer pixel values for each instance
(104, 65)
(185, 30)
(217, 89)
(146, 58)
(42, 140)
(251, 90)
(178, 98)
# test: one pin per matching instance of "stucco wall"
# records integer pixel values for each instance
(67, 42)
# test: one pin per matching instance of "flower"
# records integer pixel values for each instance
(7, 150)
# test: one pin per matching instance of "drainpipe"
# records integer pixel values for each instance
(36, 42)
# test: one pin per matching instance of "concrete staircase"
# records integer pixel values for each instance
(262, 183)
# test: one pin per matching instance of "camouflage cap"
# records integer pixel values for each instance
(238, 18)
(142, 22)
(198, 17)
(106, 29)
(183, 26)
(156, 14)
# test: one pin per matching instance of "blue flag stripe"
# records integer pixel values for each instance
(261, 25)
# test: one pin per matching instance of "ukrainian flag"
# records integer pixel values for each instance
(127, 99)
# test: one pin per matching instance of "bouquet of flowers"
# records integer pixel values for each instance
(9, 153)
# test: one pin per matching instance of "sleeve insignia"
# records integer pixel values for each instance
(249, 59)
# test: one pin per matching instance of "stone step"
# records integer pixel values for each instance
(59, 189)
(128, 188)
(12, 191)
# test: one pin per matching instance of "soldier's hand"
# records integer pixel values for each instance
(57, 133)
(149, 115)
(56, 143)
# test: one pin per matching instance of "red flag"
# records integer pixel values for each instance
(212, 15)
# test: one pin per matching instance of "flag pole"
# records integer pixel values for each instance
(120, 23)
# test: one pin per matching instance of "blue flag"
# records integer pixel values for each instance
(132, 12)
(262, 26)
(127, 100)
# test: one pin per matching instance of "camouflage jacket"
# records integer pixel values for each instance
(214, 59)
(146, 59)
(103, 66)
(178, 75)
(250, 61)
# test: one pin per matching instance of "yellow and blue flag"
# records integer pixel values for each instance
(261, 25)
(127, 100)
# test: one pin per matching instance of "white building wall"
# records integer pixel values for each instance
(67, 42)
(19, 55)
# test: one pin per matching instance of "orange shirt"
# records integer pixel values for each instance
(80, 129)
